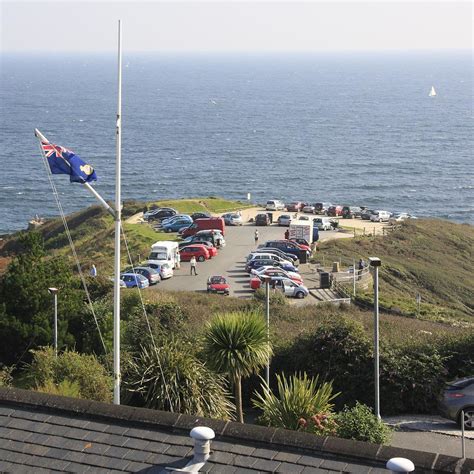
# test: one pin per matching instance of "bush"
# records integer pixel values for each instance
(6, 378)
(299, 398)
(361, 424)
(277, 298)
(82, 370)
(190, 386)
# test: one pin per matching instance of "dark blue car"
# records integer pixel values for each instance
(258, 263)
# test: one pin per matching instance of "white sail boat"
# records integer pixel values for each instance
(432, 92)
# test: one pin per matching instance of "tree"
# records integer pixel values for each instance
(26, 316)
(236, 344)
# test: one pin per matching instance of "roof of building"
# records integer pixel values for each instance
(52, 433)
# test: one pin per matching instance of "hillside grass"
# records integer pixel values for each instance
(92, 231)
(210, 204)
(427, 256)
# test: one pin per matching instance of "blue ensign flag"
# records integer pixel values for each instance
(64, 161)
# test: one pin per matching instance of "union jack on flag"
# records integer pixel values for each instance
(64, 161)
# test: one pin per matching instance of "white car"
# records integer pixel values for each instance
(284, 220)
(275, 205)
(400, 217)
(164, 269)
(232, 218)
(291, 289)
(380, 216)
(271, 256)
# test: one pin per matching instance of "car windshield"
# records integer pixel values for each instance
(158, 256)
(217, 280)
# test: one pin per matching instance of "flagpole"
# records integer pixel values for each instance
(118, 216)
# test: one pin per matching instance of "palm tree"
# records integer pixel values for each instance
(236, 344)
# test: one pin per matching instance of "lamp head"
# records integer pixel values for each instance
(375, 262)
(53, 291)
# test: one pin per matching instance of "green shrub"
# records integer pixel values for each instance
(190, 386)
(277, 298)
(299, 398)
(6, 378)
(66, 388)
(90, 376)
(361, 424)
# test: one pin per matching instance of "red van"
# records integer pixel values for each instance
(204, 224)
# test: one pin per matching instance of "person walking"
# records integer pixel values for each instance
(93, 272)
(287, 234)
(193, 265)
(178, 260)
(256, 236)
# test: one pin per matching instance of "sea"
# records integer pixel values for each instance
(347, 128)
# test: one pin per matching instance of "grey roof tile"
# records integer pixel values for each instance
(287, 457)
(235, 448)
(240, 470)
(134, 443)
(6, 466)
(136, 455)
(163, 459)
(116, 452)
(56, 464)
(31, 415)
(265, 453)
(157, 447)
(182, 451)
(20, 424)
(314, 470)
(222, 457)
(95, 426)
(288, 468)
(75, 467)
(95, 448)
(38, 438)
(78, 457)
(4, 420)
(56, 453)
(354, 468)
(222, 469)
(312, 461)
(266, 465)
(379, 470)
(17, 435)
(333, 465)
(244, 461)
(6, 411)
(137, 467)
(117, 429)
(180, 440)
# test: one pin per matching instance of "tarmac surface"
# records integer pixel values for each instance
(230, 262)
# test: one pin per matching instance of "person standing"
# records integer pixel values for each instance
(93, 271)
(193, 265)
(256, 236)
(178, 260)
(287, 234)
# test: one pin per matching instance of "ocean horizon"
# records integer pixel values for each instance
(348, 128)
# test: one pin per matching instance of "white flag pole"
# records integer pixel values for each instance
(43, 139)
(118, 213)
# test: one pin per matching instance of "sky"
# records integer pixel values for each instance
(235, 26)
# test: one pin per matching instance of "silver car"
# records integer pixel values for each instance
(458, 396)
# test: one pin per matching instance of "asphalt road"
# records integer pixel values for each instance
(229, 262)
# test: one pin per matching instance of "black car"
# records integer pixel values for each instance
(200, 215)
(262, 219)
(349, 212)
(365, 215)
(162, 214)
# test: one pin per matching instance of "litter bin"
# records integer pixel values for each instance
(324, 280)
(270, 216)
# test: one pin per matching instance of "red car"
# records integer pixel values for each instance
(300, 245)
(198, 250)
(256, 282)
(295, 206)
(218, 284)
(334, 211)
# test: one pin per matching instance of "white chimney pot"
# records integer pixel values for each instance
(202, 433)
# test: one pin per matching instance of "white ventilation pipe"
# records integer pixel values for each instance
(400, 465)
(202, 436)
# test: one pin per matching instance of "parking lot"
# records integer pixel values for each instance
(230, 261)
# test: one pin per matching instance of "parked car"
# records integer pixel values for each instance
(197, 250)
(321, 207)
(400, 217)
(256, 279)
(309, 209)
(366, 213)
(322, 223)
(177, 224)
(351, 212)
(255, 264)
(218, 284)
(286, 246)
(334, 211)
(291, 289)
(133, 280)
(164, 269)
(275, 205)
(380, 216)
(232, 218)
(284, 220)
(196, 240)
(211, 235)
(286, 256)
(173, 218)
(459, 395)
(205, 224)
(271, 256)
(161, 214)
(262, 219)
(156, 210)
(200, 215)
(294, 206)
(150, 274)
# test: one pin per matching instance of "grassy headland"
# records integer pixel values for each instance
(427, 256)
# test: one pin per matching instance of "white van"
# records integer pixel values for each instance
(380, 216)
(164, 252)
(275, 205)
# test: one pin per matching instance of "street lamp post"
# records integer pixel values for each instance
(267, 279)
(375, 263)
(54, 292)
